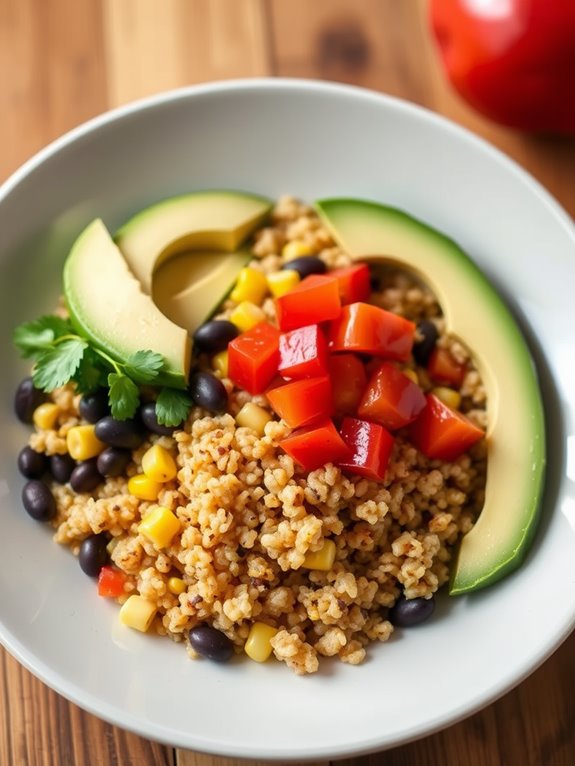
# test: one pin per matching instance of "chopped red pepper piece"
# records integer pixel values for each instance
(303, 401)
(303, 353)
(315, 446)
(253, 358)
(348, 380)
(354, 283)
(391, 398)
(442, 433)
(370, 448)
(111, 582)
(371, 330)
(314, 300)
(443, 368)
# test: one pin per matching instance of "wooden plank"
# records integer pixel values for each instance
(152, 46)
(187, 758)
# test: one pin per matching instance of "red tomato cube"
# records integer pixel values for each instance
(443, 368)
(314, 300)
(315, 446)
(370, 448)
(253, 358)
(442, 433)
(111, 582)
(303, 401)
(391, 398)
(348, 380)
(354, 283)
(369, 329)
(303, 353)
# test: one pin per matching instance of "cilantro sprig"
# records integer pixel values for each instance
(62, 356)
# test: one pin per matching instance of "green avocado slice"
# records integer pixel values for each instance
(208, 220)
(107, 305)
(474, 313)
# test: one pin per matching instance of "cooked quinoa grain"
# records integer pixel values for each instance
(247, 515)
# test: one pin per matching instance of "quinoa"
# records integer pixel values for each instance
(249, 515)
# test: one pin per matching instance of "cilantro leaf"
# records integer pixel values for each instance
(123, 396)
(143, 366)
(33, 338)
(89, 376)
(58, 364)
(172, 406)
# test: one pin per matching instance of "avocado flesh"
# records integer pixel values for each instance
(211, 220)
(475, 314)
(107, 305)
(189, 288)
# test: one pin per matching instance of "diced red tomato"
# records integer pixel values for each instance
(253, 358)
(443, 368)
(391, 398)
(354, 283)
(369, 329)
(303, 353)
(370, 448)
(303, 401)
(314, 300)
(348, 380)
(111, 582)
(442, 433)
(315, 446)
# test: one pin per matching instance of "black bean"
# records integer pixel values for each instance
(208, 392)
(94, 406)
(120, 433)
(26, 399)
(407, 612)
(211, 643)
(113, 461)
(428, 338)
(306, 265)
(93, 554)
(214, 336)
(61, 467)
(32, 464)
(85, 476)
(38, 501)
(150, 420)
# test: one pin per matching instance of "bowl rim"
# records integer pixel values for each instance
(130, 722)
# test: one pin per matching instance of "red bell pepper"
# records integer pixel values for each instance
(513, 60)
(348, 380)
(314, 300)
(353, 282)
(442, 433)
(369, 329)
(370, 448)
(443, 368)
(303, 353)
(111, 582)
(315, 446)
(253, 358)
(391, 398)
(303, 401)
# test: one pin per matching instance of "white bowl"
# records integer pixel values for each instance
(310, 139)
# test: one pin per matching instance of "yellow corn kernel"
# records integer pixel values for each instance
(295, 249)
(448, 396)
(246, 315)
(253, 416)
(83, 443)
(411, 374)
(159, 465)
(220, 363)
(176, 585)
(143, 488)
(322, 559)
(251, 285)
(159, 526)
(46, 415)
(137, 612)
(258, 646)
(281, 282)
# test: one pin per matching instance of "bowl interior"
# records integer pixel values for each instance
(344, 142)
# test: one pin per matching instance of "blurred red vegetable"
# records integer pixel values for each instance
(513, 60)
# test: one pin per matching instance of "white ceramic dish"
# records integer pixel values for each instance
(313, 140)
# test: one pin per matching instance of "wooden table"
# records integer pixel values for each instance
(64, 61)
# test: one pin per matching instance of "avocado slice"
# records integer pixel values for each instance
(107, 305)
(208, 220)
(189, 288)
(474, 313)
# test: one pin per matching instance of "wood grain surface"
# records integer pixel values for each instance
(64, 61)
